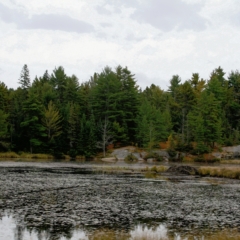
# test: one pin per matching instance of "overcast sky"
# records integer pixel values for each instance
(155, 39)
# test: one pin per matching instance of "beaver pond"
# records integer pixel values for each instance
(75, 201)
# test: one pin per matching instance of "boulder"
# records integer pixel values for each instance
(110, 159)
(189, 170)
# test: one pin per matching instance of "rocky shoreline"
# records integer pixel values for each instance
(60, 198)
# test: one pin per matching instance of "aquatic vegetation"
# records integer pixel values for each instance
(9, 155)
(227, 172)
(158, 169)
(232, 161)
(36, 156)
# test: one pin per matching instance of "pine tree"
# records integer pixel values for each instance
(24, 79)
(33, 132)
(52, 121)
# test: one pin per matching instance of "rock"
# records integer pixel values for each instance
(150, 160)
(231, 152)
(217, 155)
(110, 159)
(189, 170)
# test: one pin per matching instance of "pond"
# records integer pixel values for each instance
(60, 201)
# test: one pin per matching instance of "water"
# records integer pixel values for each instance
(37, 203)
(9, 230)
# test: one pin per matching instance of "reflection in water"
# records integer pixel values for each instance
(141, 232)
(9, 230)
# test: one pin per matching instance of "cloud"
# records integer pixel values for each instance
(167, 15)
(103, 10)
(105, 24)
(10, 15)
(57, 22)
(44, 21)
(144, 81)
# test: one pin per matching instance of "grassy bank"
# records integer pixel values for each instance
(129, 169)
(23, 156)
(226, 172)
(232, 161)
(30, 156)
(13, 155)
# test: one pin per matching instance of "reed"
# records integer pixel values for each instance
(226, 172)
(233, 161)
(157, 169)
(36, 156)
(9, 155)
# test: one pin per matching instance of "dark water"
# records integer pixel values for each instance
(65, 201)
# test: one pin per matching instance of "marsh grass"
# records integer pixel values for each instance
(9, 155)
(234, 161)
(224, 235)
(21, 156)
(157, 169)
(227, 172)
(36, 156)
(161, 233)
(112, 169)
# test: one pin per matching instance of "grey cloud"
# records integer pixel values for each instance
(103, 10)
(104, 24)
(44, 21)
(146, 81)
(10, 15)
(168, 14)
(236, 19)
(57, 22)
(131, 37)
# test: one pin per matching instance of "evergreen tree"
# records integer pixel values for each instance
(152, 125)
(52, 121)
(88, 136)
(205, 121)
(24, 79)
(73, 129)
(59, 82)
(4, 97)
(174, 84)
(33, 132)
(3, 130)
(186, 99)
(127, 104)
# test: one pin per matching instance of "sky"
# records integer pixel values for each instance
(155, 39)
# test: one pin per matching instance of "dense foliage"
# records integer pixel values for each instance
(56, 114)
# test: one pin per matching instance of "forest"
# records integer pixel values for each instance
(56, 114)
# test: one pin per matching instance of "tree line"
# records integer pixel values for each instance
(58, 115)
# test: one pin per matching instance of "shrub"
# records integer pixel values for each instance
(172, 153)
(131, 158)
(207, 158)
(153, 155)
(184, 147)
